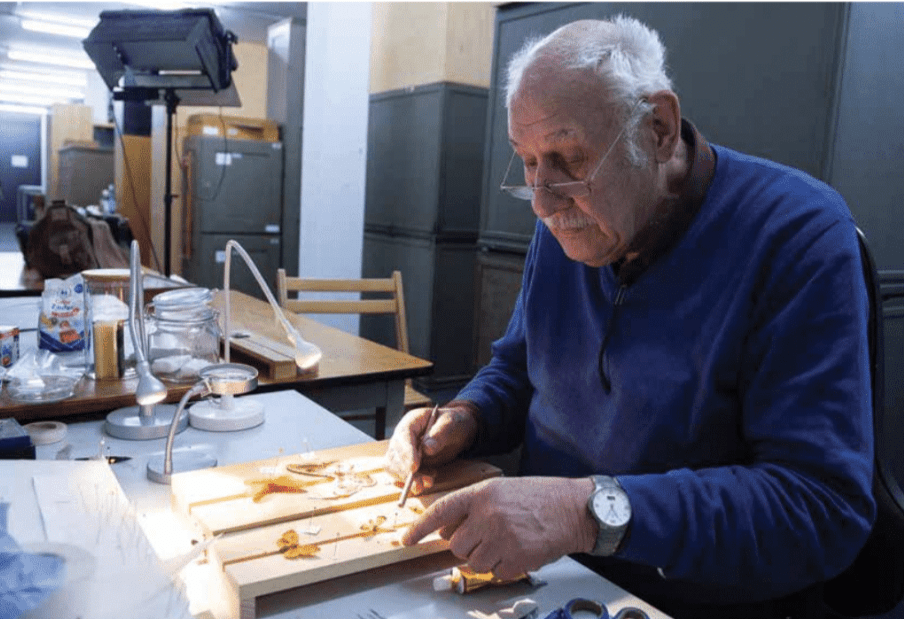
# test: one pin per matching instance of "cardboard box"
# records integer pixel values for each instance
(233, 127)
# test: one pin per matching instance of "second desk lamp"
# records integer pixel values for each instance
(227, 413)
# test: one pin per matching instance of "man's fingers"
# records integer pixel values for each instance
(465, 544)
(446, 532)
(432, 440)
(403, 454)
(423, 481)
(412, 448)
(449, 510)
(482, 559)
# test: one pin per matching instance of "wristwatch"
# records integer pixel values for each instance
(610, 507)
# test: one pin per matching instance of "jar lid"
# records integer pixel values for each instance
(103, 275)
(183, 305)
(182, 298)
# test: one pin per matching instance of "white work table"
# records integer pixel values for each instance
(293, 424)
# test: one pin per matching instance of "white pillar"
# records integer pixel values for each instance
(334, 143)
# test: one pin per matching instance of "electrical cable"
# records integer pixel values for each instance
(224, 163)
(138, 211)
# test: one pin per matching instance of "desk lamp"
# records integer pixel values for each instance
(228, 413)
(223, 379)
(148, 419)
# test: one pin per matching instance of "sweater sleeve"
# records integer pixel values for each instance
(806, 415)
(502, 389)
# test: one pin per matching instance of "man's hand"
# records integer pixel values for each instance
(410, 449)
(512, 525)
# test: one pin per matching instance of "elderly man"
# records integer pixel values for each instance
(685, 369)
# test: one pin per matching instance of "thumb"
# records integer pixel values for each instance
(433, 440)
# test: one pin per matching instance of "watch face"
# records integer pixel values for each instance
(612, 507)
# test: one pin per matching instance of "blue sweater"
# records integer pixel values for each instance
(731, 396)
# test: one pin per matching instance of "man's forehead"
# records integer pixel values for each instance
(556, 135)
(556, 116)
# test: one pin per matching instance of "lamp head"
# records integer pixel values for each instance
(307, 355)
(229, 378)
(150, 389)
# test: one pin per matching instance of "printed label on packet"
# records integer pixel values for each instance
(9, 345)
(61, 325)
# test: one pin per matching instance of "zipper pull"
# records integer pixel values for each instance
(601, 361)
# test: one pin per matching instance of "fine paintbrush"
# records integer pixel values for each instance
(407, 488)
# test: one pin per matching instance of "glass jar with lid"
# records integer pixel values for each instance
(109, 353)
(183, 334)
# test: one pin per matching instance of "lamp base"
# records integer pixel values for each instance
(182, 461)
(143, 423)
(227, 415)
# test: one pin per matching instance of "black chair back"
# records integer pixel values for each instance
(874, 583)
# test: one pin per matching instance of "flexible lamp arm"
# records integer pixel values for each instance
(149, 389)
(199, 388)
(136, 292)
(307, 355)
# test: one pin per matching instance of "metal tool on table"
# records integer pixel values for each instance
(407, 488)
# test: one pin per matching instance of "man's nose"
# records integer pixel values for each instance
(545, 203)
(545, 200)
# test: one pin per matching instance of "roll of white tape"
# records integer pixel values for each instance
(46, 432)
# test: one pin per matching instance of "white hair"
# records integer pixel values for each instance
(627, 56)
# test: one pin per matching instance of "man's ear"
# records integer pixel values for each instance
(665, 122)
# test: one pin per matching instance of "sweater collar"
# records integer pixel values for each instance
(673, 217)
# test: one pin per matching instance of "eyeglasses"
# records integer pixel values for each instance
(571, 189)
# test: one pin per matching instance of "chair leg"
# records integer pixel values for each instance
(380, 423)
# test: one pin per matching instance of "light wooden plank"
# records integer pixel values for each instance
(336, 529)
(273, 359)
(340, 285)
(222, 499)
(323, 306)
(253, 577)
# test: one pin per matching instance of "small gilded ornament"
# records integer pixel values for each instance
(291, 549)
(277, 485)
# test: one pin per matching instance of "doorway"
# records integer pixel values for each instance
(20, 158)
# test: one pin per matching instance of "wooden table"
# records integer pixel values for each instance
(354, 373)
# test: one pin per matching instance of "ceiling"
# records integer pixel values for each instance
(247, 20)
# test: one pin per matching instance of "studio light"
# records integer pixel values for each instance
(165, 57)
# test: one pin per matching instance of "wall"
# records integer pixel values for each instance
(430, 73)
(65, 123)
(869, 138)
(334, 150)
(416, 43)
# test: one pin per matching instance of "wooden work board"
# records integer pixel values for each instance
(290, 521)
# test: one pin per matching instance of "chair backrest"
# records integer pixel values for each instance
(874, 583)
(390, 287)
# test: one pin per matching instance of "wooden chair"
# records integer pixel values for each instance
(393, 303)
